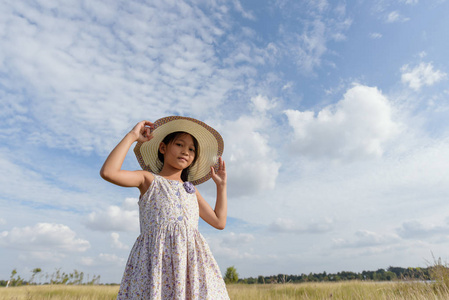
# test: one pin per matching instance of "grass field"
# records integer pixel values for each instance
(341, 290)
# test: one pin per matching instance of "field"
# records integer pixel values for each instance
(341, 290)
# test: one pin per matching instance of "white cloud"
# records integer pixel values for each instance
(310, 47)
(287, 86)
(49, 256)
(375, 35)
(395, 16)
(246, 14)
(43, 186)
(410, 1)
(365, 238)
(233, 238)
(422, 54)
(357, 126)
(392, 17)
(44, 237)
(421, 75)
(338, 37)
(103, 259)
(321, 5)
(234, 247)
(251, 160)
(82, 63)
(262, 104)
(417, 230)
(340, 9)
(87, 261)
(124, 218)
(285, 225)
(307, 47)
(116, 242)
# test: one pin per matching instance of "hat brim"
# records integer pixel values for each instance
(209, 140)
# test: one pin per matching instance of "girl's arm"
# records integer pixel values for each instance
(216, 217)
(112, 167)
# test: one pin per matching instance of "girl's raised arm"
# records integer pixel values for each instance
(216, 217)
(112, 167)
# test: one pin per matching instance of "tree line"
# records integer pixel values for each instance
(57, 277)
(392, 273)
(231, 276)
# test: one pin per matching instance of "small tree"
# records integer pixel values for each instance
(13, 281)
(231, 275)
(35, 271)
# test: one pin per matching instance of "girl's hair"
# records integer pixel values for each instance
(169, 139)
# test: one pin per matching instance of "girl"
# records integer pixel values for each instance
(171, 259)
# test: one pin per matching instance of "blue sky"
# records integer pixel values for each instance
(333, 116)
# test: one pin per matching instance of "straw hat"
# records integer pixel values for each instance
(210, 144)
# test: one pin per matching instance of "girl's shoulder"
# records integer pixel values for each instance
(148, 176)
(148, 179)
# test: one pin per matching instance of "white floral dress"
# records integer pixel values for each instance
(170, 259)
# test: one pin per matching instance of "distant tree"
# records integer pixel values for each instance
(59, 277)
(390, 276)
(398, 271)
(76, 277)
(249, 280)
(35, 271)
(260, 279)
(13, 281)
(13, 273)
(231, 275)
(95, 280)
(281, 278)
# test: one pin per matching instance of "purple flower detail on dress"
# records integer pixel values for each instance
(190, 188)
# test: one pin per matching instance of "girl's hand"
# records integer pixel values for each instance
(219, 177)
(142, 131)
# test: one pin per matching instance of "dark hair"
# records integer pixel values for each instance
(169, 139)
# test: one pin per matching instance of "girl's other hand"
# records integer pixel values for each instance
(142, 131)
(219, 177)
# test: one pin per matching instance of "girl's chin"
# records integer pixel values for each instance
(183, 162)
(181, 165)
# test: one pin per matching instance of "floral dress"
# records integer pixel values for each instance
(170, 259)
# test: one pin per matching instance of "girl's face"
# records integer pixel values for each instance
(180, 152)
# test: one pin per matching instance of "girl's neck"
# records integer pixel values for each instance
(170, 173)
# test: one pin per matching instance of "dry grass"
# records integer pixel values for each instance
(60, 292)
(341, 290)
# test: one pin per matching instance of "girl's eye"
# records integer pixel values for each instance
(191, 149)
(178, 144)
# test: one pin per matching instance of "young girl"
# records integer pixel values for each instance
(171, 259)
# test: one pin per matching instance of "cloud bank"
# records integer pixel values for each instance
(357, 126)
